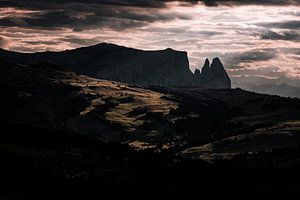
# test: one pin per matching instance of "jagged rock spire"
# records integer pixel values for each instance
(205, 67)
(197, 72)
(214, 75)
(219, 75)
(216, 63)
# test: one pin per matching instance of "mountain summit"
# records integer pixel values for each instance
(216, 75)
(113, 62)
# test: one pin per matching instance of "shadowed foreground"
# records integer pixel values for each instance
(65, 135)
(59, 164)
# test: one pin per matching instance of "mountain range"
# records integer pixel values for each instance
(112, 62)
(286, 88)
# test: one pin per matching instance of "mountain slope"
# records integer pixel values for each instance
(41, 96)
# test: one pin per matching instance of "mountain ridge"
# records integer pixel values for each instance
(166, 67)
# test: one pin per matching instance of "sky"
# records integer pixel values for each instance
(253, 38)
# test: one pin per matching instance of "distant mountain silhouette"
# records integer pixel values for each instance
(112, 62)
(282, 89)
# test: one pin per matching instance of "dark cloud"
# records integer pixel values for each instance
(210, 33)
(48, 19)
(46, 4)
(79, 16)
(36, 4)
(257, 55)
(267, 71)
(251, 56)
(80, 41)
(288, 35)
(293, 24)
(114, 14)
(42, 42)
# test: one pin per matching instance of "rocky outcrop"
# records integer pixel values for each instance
(213, 76)
(112, 62)
(205, 69)
(219, 77)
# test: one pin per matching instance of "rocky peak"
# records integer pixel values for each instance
(206, 63)
(205, 68)
(217, 64)
(197, 72)
(169, 49)
(219, 76)
(214, 75)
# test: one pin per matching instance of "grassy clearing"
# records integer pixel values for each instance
(117, 116)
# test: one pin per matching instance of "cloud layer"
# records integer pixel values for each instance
(253, 37)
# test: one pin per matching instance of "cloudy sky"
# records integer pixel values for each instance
(259, 38)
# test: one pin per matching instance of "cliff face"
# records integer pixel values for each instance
(106, 61)
(112, 62)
